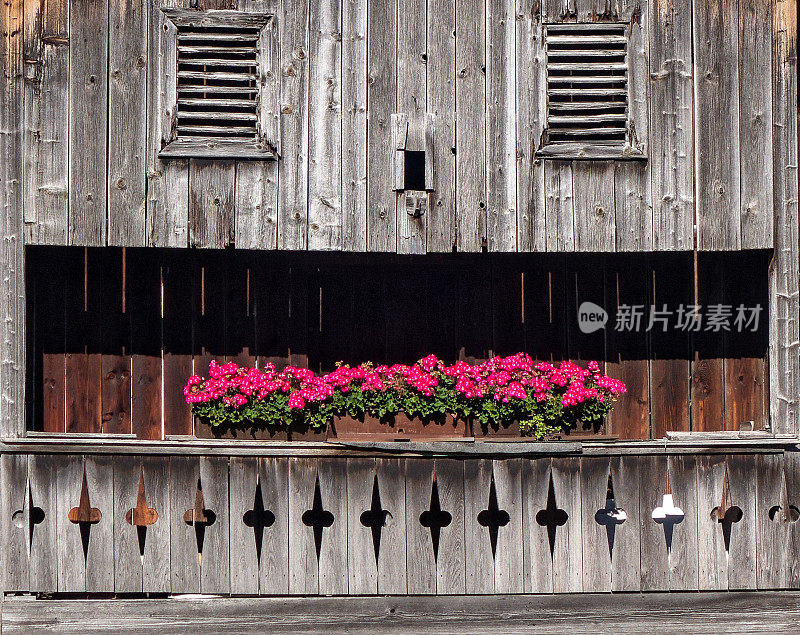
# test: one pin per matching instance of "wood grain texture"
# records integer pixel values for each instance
(362, 566)
(596, 548)
(71, 566)
(392, 562)
(215, 568)
(303, 564)
(480, 561)
(242, 480)
(15, 515)
(716, 27)
(333, 574)
(559, 205)
(773, 522)
(713, 560)
(256, 205)
(211, 203)
(684, 555)
(183, 548)
(509, 574)
(420, 561)
(655, 555)
(594, 201)
(450, 566)
(537, 559)
(44, 568)
(633, 213)
(128, 566)
(274, 567)
(626, 556)
(568, 552)
(742, 564)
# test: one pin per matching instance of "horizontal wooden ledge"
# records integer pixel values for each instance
(469, 447)
(589, 152)
(219, 148)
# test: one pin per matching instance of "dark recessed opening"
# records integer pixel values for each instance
(414, 170)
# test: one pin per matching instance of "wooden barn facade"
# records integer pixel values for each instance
(312, 181)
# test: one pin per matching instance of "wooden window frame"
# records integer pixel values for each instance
(265, 145)
(635, 146)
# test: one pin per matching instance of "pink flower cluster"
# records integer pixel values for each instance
(500, 378)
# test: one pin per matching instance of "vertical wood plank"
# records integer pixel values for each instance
(755, 123)
(44, 545)
(215, 569)
(479, 557)
(509, 572)
(471, 230)
(392, 577)
(183, 548)
(325, 135)
(593, 196)
(362, 566)
(684, 555)
(128, 566)
(713, 559)
(792, 463)
(633, 213)
(244, 550)
(742, 552)
(559, 206)
(293, 166)
(156, 568)
(772, 521)
(536, 556)
(530, 111)
(420, 561)
(501, 138)
(274, 569)
(568, 553)
(716, 48)
(354, 125)
(127, 127)
(211, 203)
(382, 99)
(256, 205)
(69, 549)
(50, 335)
(656, 556)
(626, 556)
(88, 120)
(333, 575)
(176, 275)
(670, 125)
(16, 515)
(303, 564)
(450, 567)
(597, 555)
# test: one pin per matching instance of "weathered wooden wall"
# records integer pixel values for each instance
(363, 525)
(94, 115)
(115, 334)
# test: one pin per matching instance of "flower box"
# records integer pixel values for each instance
(399, 427)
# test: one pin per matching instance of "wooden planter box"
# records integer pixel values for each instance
(397, 428)
(203, 430)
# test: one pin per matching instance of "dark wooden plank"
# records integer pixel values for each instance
(480, 558)
(509, 574)
(568, 552)
(244, 540)
(392, 577)
(274, 566)
(537, 558)
(42, 470)
(363, 554)
(303, 563)
(183, 548)
(333, 575)
(240, 323)
(508, 329)
(626, 556)
(655, 544)
(545, 309)
(146, 375)
(115, 363)
(177, 283)
(50, 344)
(708, 390)
(597, 554)
(420, 561)
(17, 516)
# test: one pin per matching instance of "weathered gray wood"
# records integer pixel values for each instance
(325, 131)
(354, 125)
(333, 574)
(716, 28)
(215, 568)
(218, 17)
(626, 558)
(15, 518)
(568, 553)
(683, 558)
(773, 520)
(293, 168)
(501, 120)
(183, 548)
(392, 561)
(471, 127)
(362, 567)
(156, 568)
(45, 40)
(479, 558)
(71, 565)
(382, 99)
(593, 198)
(256, 205)
(530, 111)
(420, 562)
(633, 215)
(792, 467)
(211, 203)
(536, 557)
(274, 570)
(755, 122)
(638, 76)
(671, 113)
(242, 482)
(509, 574)
(127, 127)
(88, 117)
(559, 206)
(784, 361)
(450, 567)
(303, 565)
(742, 563)
(713, 560)
(100, 553)
(128, 566)
(42, 470)
(167, 181)
(595, 541)
(655, 557)
(441, 103)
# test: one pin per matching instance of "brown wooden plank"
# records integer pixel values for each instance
(271, 293)
(508, 329)
(545, 309)
(178, 284)
(115, 392)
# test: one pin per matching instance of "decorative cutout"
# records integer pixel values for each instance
(493, 517)
(317, 517)
(259, 518)
(726, 513)
(435, 518)
(141, 516)
(610, 516)
(551, 516)
(668, 515)
(84, 515)
(200, 518)
(784, 513)
(29, 515)
(375, 518)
